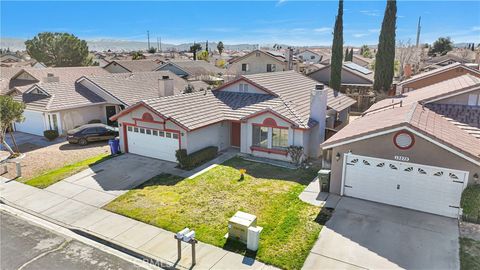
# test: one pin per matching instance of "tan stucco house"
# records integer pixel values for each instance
(261, 61)
(417, 151)
(259, 114)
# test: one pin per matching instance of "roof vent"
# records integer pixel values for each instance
(165, 77)
(319, 87)
(50, 75)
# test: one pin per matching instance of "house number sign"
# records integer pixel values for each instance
(402, 158)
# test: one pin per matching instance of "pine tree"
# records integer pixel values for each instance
(337, 51)
(473, 47)
(385, 58)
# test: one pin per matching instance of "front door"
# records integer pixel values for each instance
(235, 135)
(110, 111)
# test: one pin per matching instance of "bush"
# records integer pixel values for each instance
(195, 159)
(50, 134)
(95, 121)
(296, 153)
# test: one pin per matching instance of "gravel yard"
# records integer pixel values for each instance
(41, 159)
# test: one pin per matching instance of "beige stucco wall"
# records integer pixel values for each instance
(80, 116)
(256, 64)
(422, 152)
(213, 135)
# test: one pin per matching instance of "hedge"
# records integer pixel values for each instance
(195, 159)
(50, 134)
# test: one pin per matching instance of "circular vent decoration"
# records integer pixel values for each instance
(403, 140)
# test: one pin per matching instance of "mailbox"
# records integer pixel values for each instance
(238, 226)
(189, 236)
(182, 233)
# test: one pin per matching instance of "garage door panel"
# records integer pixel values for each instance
(33, 123)
(152, 143)
(425, 188)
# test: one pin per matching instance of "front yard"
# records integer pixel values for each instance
(469, 254)
(207, 202)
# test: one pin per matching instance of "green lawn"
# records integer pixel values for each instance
(53, 176)
(471, 202)
(469, 254)
(206, 202)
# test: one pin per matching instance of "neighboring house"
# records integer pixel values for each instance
(444, 60)
(6, 73)
(352, 74)
(258, 114)
(10, 58)
(435, 76)
(362, 61)
(124, 66)
(30, 76)
(194, 70)
(419, 151)
(309, 56)
(259, 61)
(65, 105)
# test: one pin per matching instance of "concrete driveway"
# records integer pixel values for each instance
(102, 183)
(21, 138)
(370, 235)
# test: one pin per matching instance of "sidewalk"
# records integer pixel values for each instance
(137, 237)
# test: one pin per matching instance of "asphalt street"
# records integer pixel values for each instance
(24, 245)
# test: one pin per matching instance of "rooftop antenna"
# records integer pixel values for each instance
(148, 40)
(418, 31)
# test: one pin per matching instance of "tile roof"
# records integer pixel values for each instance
(434, 91)
(65, 74)
(197, 68)
(6, 73)
(133, 87)
(369, 76)
(138, 65)
(415, 116)
(436, 71)
(290, 99)
(60, 96)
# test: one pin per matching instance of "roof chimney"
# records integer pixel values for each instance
(165, 86)
(318, 112)
(289, 58)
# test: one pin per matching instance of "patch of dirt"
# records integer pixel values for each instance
(41, 159)
(470, 230)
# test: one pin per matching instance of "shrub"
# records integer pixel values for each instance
(95, 121)
(296, 153)
(50, 134)
(195, 159)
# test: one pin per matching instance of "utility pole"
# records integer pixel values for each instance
(148, 40)
(418, 31)
(158, 46)
(160, 43)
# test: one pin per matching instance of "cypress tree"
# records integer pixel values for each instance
(346, 55)
(337, 51)
(384, 60)
(350, 55)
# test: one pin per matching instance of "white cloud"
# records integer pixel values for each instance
(359, 35)
(323, 30)
(373, 13)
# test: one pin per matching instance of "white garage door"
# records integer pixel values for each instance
(33, 124)
(415, 186)
(152, 143)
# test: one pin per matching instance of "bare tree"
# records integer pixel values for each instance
(407, 54)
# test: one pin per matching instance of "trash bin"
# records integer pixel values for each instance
(324, 180)
(114, 146)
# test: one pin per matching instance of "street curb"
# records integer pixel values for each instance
(89, 238)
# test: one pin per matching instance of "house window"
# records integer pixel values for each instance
(142, 130)
(168, 135)
(244, 67)
(155, 133)
(271, 67)
(312, 57)
(135, 130)
(279, 138)
(175, 135)
(149, 132)
(257, 54)
(260, 136)
(129, 128)
(162, 134)
(243, 88)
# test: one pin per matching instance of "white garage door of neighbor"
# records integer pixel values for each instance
(152, 143)
(33, 124)
(425, 188)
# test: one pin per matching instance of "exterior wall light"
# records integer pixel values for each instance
(475, 177)
(337, 156)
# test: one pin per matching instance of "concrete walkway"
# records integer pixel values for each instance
(76, 202)
(312, 195)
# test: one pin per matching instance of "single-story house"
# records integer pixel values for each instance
(310, 56)
(444, 60)
(64, 105)
(407, 151)
(260, 114)
(434, 76)
(352, 74)
(123, 66)
(194, 70)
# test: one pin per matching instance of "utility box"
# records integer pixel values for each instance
(238, 226)
(324, 180)
(253, 238)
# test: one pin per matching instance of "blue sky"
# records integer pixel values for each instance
(262, 22)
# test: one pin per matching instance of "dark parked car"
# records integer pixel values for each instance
(91, 133)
